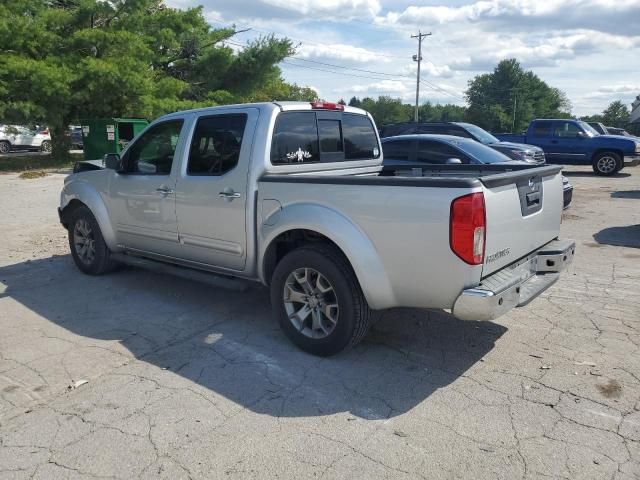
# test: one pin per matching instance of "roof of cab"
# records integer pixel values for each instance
(282, 105)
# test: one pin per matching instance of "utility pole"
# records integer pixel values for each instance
(418, 58)
(515, 96)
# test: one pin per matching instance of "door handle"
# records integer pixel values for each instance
(165, 190)
(230, 194)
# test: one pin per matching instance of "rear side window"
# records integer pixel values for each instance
(215, 148)
(398, 149)
(295, 138)
(307, 137)
(541, 129)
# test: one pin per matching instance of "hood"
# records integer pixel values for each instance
(617, 141)
(516, 146)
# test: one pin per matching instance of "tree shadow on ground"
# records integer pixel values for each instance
(628, 236)
(591, 174)
(633, 194)
(229, 343)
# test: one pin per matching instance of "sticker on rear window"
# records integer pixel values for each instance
(299, 155)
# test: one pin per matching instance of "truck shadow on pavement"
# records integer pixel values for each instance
(628, 236)
(181, 333)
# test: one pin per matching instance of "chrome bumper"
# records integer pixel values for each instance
(631, 160)
(515, 285)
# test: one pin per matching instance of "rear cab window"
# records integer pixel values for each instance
(323, 137)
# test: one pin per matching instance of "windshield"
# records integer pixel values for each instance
(478, 151)
(592, 132)
(480, 134)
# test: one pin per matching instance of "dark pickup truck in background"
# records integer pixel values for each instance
(515, 151)
(576, 142)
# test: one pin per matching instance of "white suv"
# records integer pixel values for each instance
(13, 137)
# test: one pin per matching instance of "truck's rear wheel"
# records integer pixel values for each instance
(88, 248)
(46, 146)
(607, 163)
(318, 301)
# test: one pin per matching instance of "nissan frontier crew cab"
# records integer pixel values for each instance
(293, 195)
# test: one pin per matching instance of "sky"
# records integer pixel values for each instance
(590, 49)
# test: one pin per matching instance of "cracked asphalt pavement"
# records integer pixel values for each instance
(142, 375)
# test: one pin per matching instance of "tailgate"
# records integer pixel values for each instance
(523, 210)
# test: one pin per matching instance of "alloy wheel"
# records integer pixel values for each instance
(606, 164)
(84, 241)
(311, 303)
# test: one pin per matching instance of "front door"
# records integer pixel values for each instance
(567, 143)
(142, 195)
(211, 192)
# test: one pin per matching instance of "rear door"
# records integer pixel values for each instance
(523, 211)
(211, 192)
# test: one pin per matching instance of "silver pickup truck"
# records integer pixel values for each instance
(293, 195)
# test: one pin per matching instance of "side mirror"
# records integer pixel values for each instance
(112, 161)
(581, 135)
(453, 161)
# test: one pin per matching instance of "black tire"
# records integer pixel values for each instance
(45, 146)
(98, 263)
(607, 164)
(5, 147)
(353, 313)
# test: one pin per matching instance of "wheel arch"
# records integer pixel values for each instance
(600, 151)
(78, 194)
(301, 224)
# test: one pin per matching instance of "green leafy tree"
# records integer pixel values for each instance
(510, 97)
(429, 112)
(387, 110)
(616, 115)
(62, 60)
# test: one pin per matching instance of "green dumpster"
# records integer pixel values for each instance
(108, 135)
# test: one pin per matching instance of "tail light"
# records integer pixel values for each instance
(44, 132)
(326, 105)
(468, 228)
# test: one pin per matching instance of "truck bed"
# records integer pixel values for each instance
(405, 215)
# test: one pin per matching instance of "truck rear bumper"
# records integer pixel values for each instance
(631, 160)
(515, 285)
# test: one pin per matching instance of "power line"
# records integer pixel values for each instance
(388, 76)
(303, 41)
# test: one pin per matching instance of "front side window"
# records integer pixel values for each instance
(153, 152)
(215, 147)
(567, 130)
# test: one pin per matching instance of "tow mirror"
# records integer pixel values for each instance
(112, 161)
(453, 161)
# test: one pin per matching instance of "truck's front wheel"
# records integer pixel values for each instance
(318, 301)
(607, 163)
(88, 248)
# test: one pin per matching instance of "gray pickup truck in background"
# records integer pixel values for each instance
(293, 195)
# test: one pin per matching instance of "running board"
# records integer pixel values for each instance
(229, 283)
